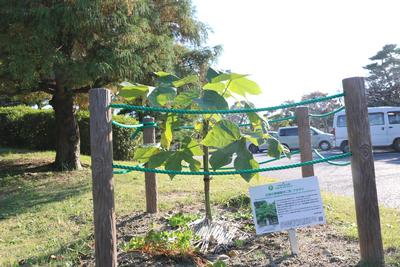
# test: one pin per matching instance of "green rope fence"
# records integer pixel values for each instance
(327, 114)
(265, 169)
(224, 111)
(138, 127)
(332, 162)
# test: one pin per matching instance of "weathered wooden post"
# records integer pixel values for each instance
(102, 177)
(304, 132)
(149, 137)
(303, 123)
(363, 172)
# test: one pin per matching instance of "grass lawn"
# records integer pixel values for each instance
(47, 216)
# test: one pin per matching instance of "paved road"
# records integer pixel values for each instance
(338, 180)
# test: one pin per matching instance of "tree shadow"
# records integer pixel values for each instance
(26, 185)
(27, 198)
(7, 150)
(77, 253)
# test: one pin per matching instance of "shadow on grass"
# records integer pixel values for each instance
(77, 253)
(28, 198)
(7, 150)
(26, 185)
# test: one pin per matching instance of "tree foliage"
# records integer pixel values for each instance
(384, 77)
(65, 48)
(320, 108)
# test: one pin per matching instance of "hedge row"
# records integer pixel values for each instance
(25, 127)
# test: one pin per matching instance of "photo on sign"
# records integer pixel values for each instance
(286, 205)
(266, 213)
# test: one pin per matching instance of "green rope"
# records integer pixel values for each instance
(282, 119)
(223, 111)
(326, 114)
(122, 171)
(332, 162)
(138, 127)
(272, 168)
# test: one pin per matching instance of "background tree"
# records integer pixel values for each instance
(64, 48)
(321, 107)
(287, 112)
(384, 77)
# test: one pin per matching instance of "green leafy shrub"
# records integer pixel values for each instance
(25, 127)
(180, 219)
(164, 242)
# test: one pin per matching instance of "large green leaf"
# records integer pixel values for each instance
(165, 77)
(194, 164)
(244, 160)
(162, 96)
(186, 98)
(222, 134)
(211, 73)
(211, 100)
(174, 163)
(255, 120)
(158, 159)
(243, 86)
(275, 148)
(186, 80)
(172, 160)
(219, 87)
(223, 156)
(132, 91)
(143, 153)
(166, 134)
(227, 76)
(191, 145)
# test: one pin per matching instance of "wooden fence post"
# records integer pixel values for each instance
(303, 123)
(363, 172)
(304, 131)
(150, 178)
(102, 177)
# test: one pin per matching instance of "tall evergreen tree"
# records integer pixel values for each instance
(65, 48)
(384, 77)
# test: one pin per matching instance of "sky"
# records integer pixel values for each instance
(293, 47)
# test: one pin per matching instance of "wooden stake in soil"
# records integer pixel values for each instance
(363, 171)
(149, 137)
(102, 177)
(304, 133)
(303, 123)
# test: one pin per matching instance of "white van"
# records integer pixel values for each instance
(384, 123)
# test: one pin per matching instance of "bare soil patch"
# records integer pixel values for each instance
(318, 246)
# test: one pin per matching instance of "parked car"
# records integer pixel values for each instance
(264, 146)
(384, 124)
(289, 137)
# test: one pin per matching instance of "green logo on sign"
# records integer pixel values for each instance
(270, 187)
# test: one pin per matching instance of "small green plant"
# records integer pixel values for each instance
(211, 131)
(180, 219)
(239, 243)
(219, 263)
(164, 242)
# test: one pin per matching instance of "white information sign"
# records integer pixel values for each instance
(287, 205)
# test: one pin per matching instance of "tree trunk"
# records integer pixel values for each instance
(67, 131)
(206, 178)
